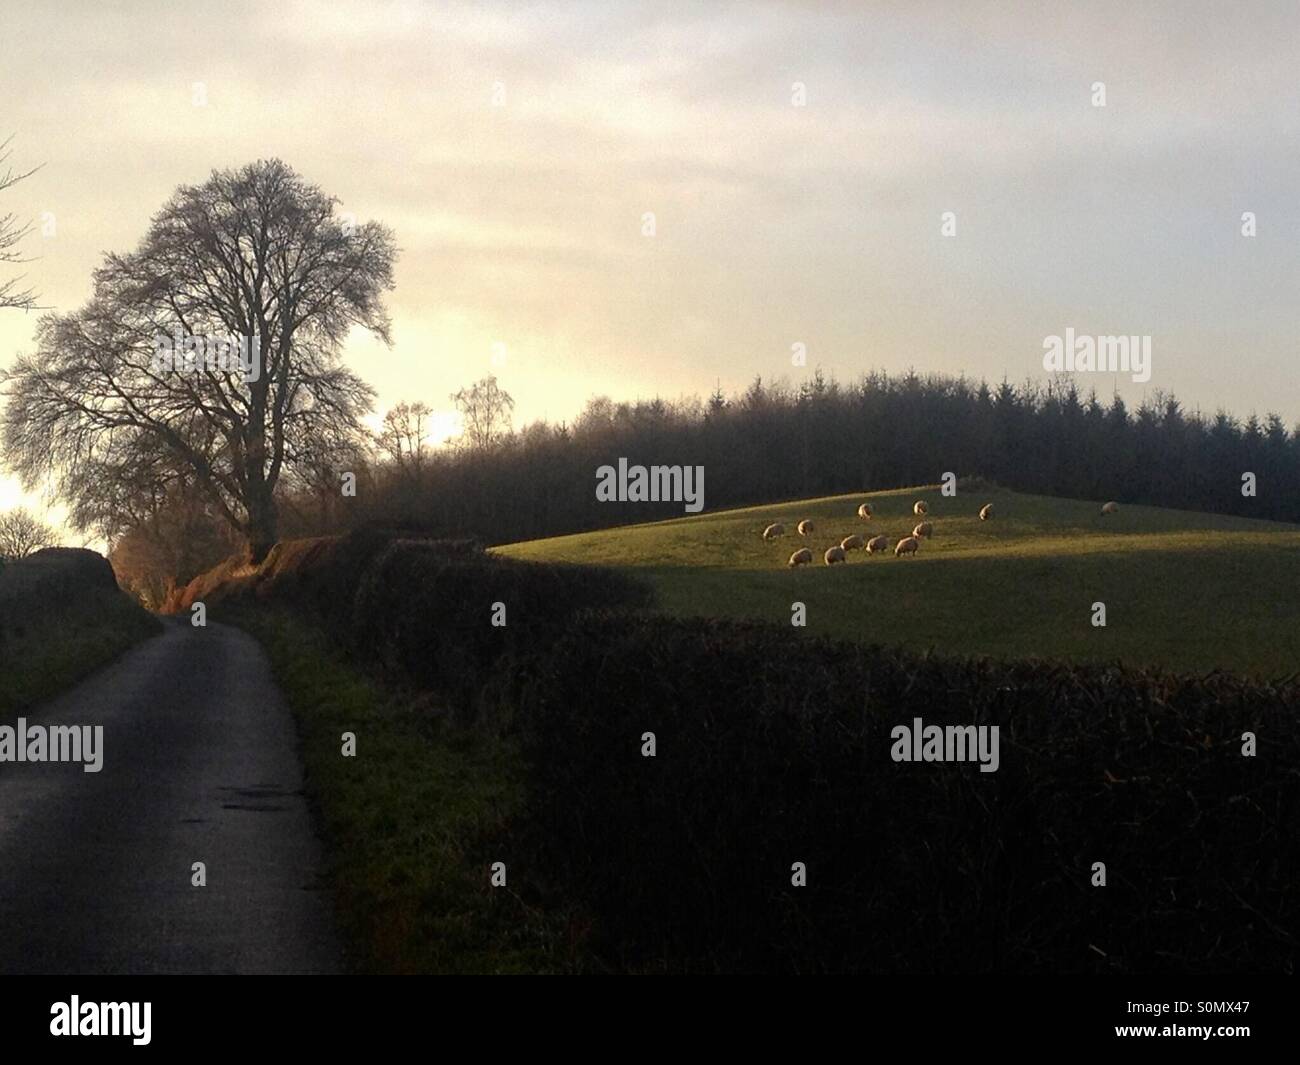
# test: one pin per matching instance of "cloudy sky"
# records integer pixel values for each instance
(515, 150)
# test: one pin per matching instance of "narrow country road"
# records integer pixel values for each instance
(200, 764)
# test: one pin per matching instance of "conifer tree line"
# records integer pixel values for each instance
(779, 442)
(769, 443)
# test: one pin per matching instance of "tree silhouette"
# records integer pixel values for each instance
(402, 437)
(256, 255)
(485, 410)
(21, 533)
(11, 234)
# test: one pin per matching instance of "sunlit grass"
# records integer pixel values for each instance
(1189, 590)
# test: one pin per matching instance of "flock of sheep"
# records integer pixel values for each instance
(908, 545)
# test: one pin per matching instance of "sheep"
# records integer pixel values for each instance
(920, 508)
(801, 557)
(864, 512)
(877, 544)
(1110, 508)
(773, 531)
(833, 555)
(805, 527)
(906, 546)
(924, 529)
(851, 543)
(986, 512)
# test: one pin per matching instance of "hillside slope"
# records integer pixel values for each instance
(1188, 590)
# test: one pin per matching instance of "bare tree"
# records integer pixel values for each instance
(21, 533)
(11, 234)
(255, 255)
(402, 436)
(485, 410)
(179, 539)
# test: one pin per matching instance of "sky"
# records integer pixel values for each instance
(890, 185)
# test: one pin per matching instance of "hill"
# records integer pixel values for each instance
(1187, 590)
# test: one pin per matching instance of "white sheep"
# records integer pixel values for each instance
(920, 507)
(773, 531)
(877, 544)
(864, 512)
(906, 546)
(1110, 508)
(851, 543)
(986, 512)
(801, 557)
(805, 527)
(924, 529)
(833, 555)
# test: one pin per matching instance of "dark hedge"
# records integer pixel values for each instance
(774, 748)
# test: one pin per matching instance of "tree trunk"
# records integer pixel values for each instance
(261, 527)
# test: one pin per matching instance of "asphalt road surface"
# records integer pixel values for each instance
(200, 764)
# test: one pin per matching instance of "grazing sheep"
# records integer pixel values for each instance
(773, 531)
(833, 555)
(1110, 508)
(801, 557)
(920, 507)
(906, 546)
(986, 512)
(864, 512)
(805, 527)
(925, 528)
(851, 543)
(877, 544)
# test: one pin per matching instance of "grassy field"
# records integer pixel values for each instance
(1187, 590)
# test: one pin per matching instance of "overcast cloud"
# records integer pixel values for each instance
(521, 223)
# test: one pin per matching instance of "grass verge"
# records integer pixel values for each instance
(51, 651)
(413, 822)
